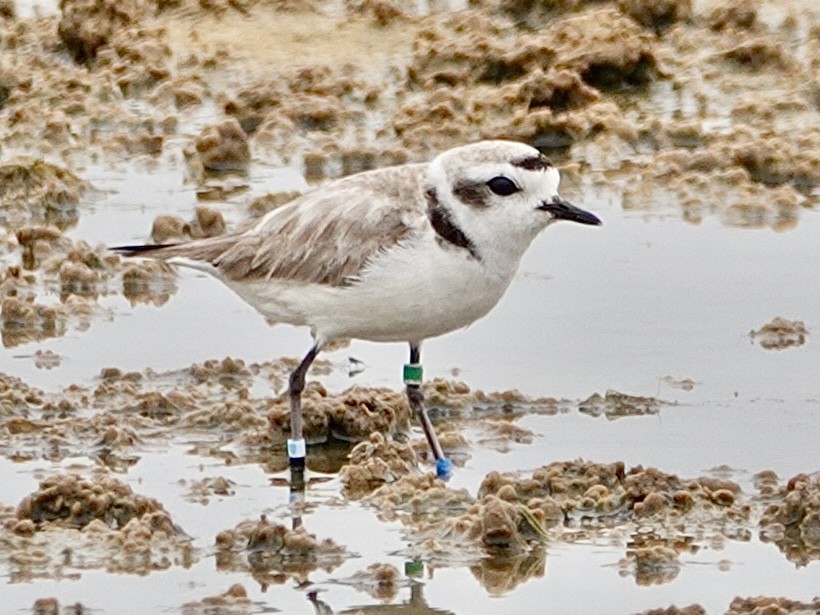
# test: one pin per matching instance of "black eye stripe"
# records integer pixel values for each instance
(502, 186)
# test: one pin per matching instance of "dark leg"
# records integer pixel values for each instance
(412, 378)
(296, 443)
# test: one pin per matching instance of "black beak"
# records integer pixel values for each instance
(562, 210)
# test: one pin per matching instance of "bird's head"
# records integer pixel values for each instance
(500, 194)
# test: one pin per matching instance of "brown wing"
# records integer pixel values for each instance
(324, 237)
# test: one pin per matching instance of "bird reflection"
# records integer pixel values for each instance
(416, 605)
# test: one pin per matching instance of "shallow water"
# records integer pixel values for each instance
(620, 307)
(643, 305)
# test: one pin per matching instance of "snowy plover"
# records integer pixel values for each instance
(398, 254)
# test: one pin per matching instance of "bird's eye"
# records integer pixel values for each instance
(502, 186)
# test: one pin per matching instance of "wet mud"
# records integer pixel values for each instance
(71, 523)
(705, 112)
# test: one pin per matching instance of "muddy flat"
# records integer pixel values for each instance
(634, 426)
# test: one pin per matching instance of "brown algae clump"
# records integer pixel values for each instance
(70, 501)
(35, 191)
(381, 581)
(616, 405)
(73, 522)
(760, 605)
(88, 25)
(651, 565)
(25, 320)
(266, 547)
(234, 601)
(376, 462)
(497, 524)
(419, 498)
(351, 415)
(791, 519)
(604, 495)
(780, 334)
(222, 147)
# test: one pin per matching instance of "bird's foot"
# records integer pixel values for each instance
(444, 468)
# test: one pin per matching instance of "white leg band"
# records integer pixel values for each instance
(296, 449)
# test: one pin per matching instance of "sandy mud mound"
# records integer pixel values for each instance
(274, 553)
(780, 333)
(791, 519)
(234, 601)
(72, 523)
(513, 517)
(591, 494)
(375, 463)
(33, 191)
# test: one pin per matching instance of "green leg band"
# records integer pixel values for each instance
(413, 373)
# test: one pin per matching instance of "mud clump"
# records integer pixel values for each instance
(616, 405)
(498, 435)
(735, 15)
(766, 604)
(759, 54)
(222, 147)
(33, 191)
(608, 50)
(112, 416)
(380, 581)
(792, 519)
(351, 415)
(502, 540)
(450, 525)
(780, 334)
(468, 49)
(151, 282)
(251, 104)
(201, 490)
(77, 278)
(73, 522)
(658, 15)
(25, 320)
(73, 502)
(207, 222)
(692, 609)
(38, 243)
(167, 228)
(52, 606)
(500, 525)
(752, 183)
(87, 25)
(418, 497)
(545, 87)
(234, 601)
(651, 565)
(356, 413)
(774, 161)
(270, 548)
(374, 463)
(48, 260)
(594, 494)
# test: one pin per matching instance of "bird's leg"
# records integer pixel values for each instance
(296, 444)
(415, 396)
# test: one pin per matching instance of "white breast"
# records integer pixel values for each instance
(414, 291)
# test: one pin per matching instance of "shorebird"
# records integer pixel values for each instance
(398, 254)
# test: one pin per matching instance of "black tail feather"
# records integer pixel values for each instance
(140, 249)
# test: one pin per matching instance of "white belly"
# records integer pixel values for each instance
(410, 294)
